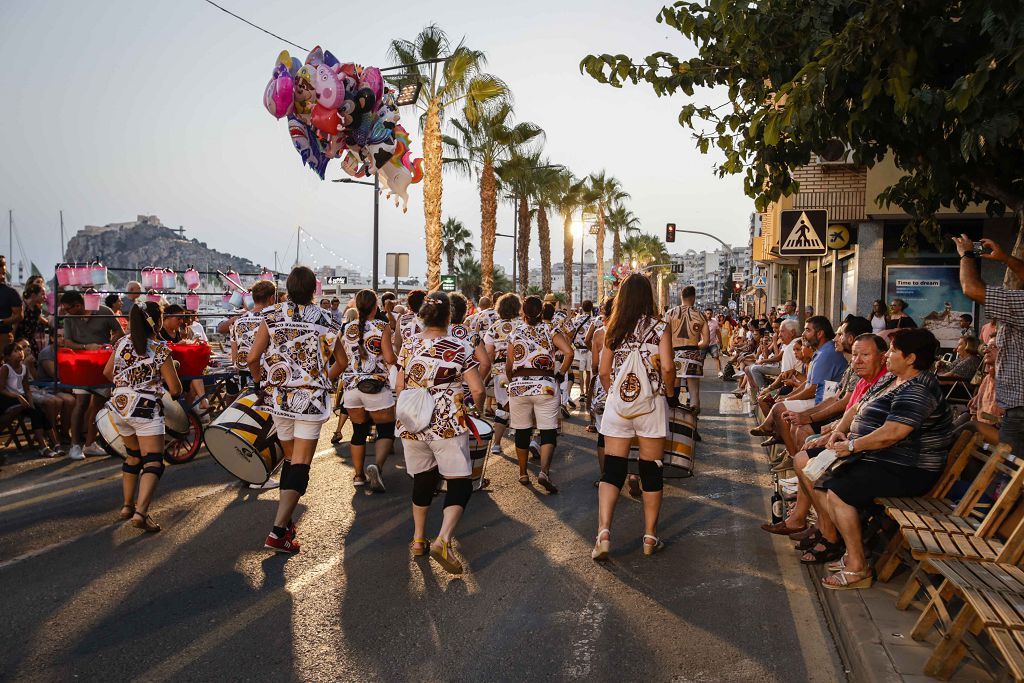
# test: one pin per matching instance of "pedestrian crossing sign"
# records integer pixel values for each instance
(761, 281)
(803, 232)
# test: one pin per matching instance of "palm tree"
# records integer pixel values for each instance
(518, 173)
(621, 221)
(502, 282)
(546, 194)
(455, 242)
(485, 137)
(569, 199)
(470, 276)
(458, 79)
(604, 192)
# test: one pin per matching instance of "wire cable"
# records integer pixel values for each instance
(259, 28)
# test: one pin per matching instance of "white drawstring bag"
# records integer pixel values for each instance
(631, 394)
(414, 409)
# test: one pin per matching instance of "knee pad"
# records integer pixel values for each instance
(297, 479)
(360, 432)
(132, 469)
(153, 463)
(386, 430)
(459, 491)
(423, 486)
(651, 476)
(501, 416)
(600, 440)
(548, 437)
(615, 470)
(523, 438)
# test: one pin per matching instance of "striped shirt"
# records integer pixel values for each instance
(917, 403)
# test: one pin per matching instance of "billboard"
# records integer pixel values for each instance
(934, 298)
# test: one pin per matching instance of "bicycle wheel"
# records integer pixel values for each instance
(182, 447)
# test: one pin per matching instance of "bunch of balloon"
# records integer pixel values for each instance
(344, 111)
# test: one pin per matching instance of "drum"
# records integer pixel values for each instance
(175, 419)
(243, 440)
(478, 451)
(108, 433)
(679, 445)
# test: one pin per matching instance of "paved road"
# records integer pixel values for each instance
(89, 598)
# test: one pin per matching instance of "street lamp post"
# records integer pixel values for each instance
(376, 218)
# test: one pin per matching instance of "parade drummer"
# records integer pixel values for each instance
(244, 327)
(294, 343)
(366, 353)
(461, 329)
(140, 368)
(496, 345)
(598, 395)
(634, 324)
(436, 361)
(409, 323)
(578, 331)
(690, 336)
(533, 392)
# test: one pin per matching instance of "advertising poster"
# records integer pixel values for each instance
(934, 298)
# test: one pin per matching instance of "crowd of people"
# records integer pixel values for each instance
(869, 408)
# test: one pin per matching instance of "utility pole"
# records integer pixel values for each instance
(275, 261)
(62, 234)
(376, 227)
(298, 238)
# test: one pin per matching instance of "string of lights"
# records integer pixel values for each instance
(313, 239)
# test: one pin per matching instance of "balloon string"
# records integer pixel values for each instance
(260, 28)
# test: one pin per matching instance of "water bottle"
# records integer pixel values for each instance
(778, 508)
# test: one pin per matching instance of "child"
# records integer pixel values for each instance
(16, 392)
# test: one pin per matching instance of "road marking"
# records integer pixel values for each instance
(588, 632)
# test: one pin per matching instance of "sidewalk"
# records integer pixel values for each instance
(873, 636)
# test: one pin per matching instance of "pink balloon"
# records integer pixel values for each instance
(277, 98)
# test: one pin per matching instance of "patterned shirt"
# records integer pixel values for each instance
(465, 332)
(302, 340)
(1007, 306)
(966, 368)
(532, 349)
(370, 364)
(580, 325)
(138, 378)
(438, 364)
(483, 320)
(243, 332)
(497, 336)
(409, 325)
(647, 334)
(686, 323)
(917, 403)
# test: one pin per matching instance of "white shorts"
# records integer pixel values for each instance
(653, 425)
(104, 392)
(534, 411)
(137, 426)
(799, 405)
(581, 361)
(289, 429)
(449, 456)
(382, 400)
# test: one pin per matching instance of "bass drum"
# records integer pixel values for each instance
(677, 459)
(478, 451)
(108, 436)
(243, 440)
(175, 420)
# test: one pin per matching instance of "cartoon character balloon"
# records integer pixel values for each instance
(341, 110)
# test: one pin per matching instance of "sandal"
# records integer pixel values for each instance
(358, 480)
(846, 580)
(127, 512)
(836, 565)
(758, 431)
(146, 522)
(809, 542)
(829, 551)
(601, 548)
(651, 548)
(445, 557)
(337, 438)
(524, 480)
(424, 547)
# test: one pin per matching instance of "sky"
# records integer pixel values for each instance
(119, 108)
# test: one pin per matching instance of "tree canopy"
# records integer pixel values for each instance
(936, 82)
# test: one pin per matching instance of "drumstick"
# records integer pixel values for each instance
(236, 285)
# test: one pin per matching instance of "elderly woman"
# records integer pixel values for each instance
(894, 445)
(968, 360)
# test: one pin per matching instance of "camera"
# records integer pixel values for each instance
(980, 249)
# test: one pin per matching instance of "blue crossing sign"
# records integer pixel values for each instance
(761, 281)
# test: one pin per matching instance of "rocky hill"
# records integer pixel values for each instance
(147, 242)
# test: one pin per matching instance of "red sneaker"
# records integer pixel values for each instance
(282, 545)
(292, 531)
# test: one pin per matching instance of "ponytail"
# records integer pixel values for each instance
(366, 302)
(143, 323)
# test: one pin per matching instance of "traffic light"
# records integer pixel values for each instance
(737, 287)
(670, 232)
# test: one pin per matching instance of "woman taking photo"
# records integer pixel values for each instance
(533, 387)
(366, 353)
(496, 345)
(140, 367)
(435, 361)
(295, 343)
(633, 325)
(879, 316)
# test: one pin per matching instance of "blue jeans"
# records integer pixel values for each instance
(1012, 430)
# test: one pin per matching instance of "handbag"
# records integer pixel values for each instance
(371, 386)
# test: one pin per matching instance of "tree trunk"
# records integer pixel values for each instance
(616, 247)
(544, 240)
(600, 252)
(450, 257)
(432, 190)
(567, 255)
(488, 227)
(523, 250)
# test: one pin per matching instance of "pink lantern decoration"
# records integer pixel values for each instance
(236, 299)
(154, 297)
(319, 287)
(267, 275)
(64, 275)
(192, 301)
(247, 300)
(93, 300)
(226, 300)
(98, 274)
(234, 281)
(151, 278)
(191, 276)
(170, 279)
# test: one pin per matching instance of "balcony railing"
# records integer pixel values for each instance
(845, 205)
